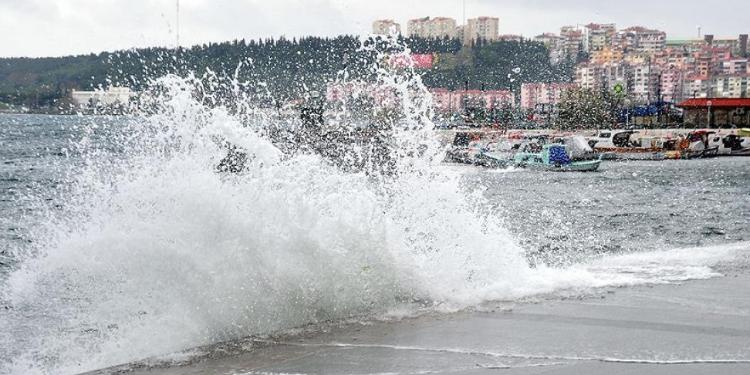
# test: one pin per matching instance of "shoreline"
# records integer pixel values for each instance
(695, 327)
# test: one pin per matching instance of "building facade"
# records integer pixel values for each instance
(600, 36)
(385, 27)
(102, 98)
(485, 28)
(535, 95)
(572, 41)
(438, 27)
(447, 101)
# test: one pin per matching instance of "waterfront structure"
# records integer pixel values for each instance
(102, 98)
(485, 28)
(715, 112)
(385, 27)
(438, 27)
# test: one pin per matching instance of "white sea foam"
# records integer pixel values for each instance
(159, 253)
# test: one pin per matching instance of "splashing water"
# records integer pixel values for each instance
(156, 252)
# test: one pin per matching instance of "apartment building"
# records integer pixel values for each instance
(438, 27)
(600, 36)
(573, 40)
(729, 86)
(385, 27)
(735, 66)
(538, 94)
(485, 28)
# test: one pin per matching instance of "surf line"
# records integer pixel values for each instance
(509, 355)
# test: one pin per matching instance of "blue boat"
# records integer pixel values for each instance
(554, 157)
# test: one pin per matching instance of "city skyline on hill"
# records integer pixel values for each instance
(35, 28)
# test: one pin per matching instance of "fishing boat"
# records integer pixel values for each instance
(730, 145)
(467, 148)
(698, 145)
(623, 145)
(554, 157)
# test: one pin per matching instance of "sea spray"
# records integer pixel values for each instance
(154, 252)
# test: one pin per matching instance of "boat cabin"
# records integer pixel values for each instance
(608, 139)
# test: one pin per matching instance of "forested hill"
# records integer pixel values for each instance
(286, 66)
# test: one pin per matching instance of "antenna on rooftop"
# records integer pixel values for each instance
(177, 27)
(699, 31)
(464, 14)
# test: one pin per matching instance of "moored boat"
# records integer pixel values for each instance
(554, 157)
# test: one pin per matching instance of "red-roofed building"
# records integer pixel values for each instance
(716, 112)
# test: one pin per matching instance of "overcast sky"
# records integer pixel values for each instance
(60, 27)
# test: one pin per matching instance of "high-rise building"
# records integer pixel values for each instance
(730, 86)
(554, 45)
(589, 76)
(639, 39)
(600, 36)
(671, 82)
(426, 27)
(643, 84)
(385, 27)
(482, 28)
(573, 40)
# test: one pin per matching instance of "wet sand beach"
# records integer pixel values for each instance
(697, 327)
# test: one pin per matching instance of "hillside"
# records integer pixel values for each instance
(286, 66)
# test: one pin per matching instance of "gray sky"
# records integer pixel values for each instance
(59, 27)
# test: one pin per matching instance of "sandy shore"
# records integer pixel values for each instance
(699, 327)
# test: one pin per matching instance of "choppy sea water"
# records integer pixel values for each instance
(94, 268)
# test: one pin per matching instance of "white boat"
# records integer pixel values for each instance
(730, 145)
(608, 140)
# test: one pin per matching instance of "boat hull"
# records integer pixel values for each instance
(583, 166)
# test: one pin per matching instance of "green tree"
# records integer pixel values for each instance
(585, 108)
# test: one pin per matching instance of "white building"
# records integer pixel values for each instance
(385, 27)
(438, 27)
(644, 82)
(588, 76)
(695, 87)
(641, 40)
(482, 28)
(731, 86)
(97, 98)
